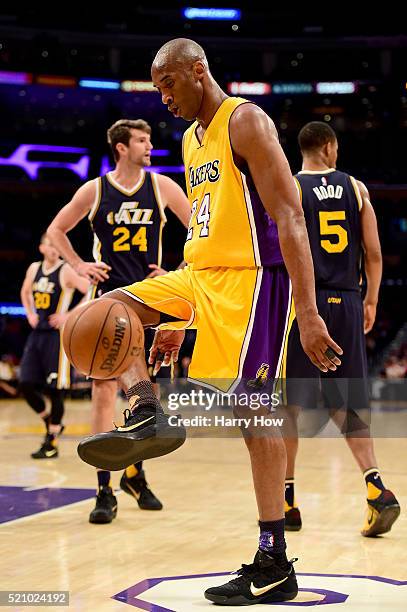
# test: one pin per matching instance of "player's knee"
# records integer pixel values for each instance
(30, 392)
(147, 316)
(27, 388)
(104, 387)
(265, 443)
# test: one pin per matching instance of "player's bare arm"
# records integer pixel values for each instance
(69, 280)
(67, 218)
(254, 141)
(26, 295)
(172, 196)
(72, 280)
(372, 257)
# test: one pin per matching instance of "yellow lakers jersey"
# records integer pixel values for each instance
(229, 226)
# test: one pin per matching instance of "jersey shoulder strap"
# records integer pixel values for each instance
(98, 197)
(356, 189)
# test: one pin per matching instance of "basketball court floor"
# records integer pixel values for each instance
(162, 561)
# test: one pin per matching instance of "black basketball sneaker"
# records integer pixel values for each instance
(381, 514)
(137, 487)
(146, 433)
(293, 520)
(47, 449)
(106, 507)
(263, 581)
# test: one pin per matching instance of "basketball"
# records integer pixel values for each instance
(101, 338)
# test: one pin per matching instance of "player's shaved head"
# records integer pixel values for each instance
(179, 53)
(181, 74)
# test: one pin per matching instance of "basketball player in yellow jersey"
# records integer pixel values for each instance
(234, 290)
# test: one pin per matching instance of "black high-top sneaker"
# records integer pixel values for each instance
(293, 520)
(137, 487)
(266, 580)
(381, 514)
(146, 433)
(47, 450)
(106, 506)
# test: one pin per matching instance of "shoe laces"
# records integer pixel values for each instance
(142, 484)
(127, 414)
(46, 445)
(103, 495)
(246, 573)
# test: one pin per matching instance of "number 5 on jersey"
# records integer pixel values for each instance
(326, 227)
(202, 217)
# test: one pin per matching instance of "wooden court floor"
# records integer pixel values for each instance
(208, 523)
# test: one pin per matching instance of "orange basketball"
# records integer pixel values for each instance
(102, 337)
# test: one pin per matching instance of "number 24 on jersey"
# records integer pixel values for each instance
(123, 242)
(202, 216)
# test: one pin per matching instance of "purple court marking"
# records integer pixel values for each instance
(129, 596)
(21, 154)
(17, 502)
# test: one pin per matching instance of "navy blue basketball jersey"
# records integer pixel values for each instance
(127, 228)
(331, 202)
(49, 296)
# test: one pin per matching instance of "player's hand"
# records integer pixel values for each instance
(57, 319)
(32, 318)
(165, 348)
(318, 344)
(369, 316)
(156, 271)
(95, 271)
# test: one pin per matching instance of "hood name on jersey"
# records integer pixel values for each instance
(43, 285)
(130, 214)
(206, 172)
(331, 191)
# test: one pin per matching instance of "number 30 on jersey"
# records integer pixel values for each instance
(202, 216)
